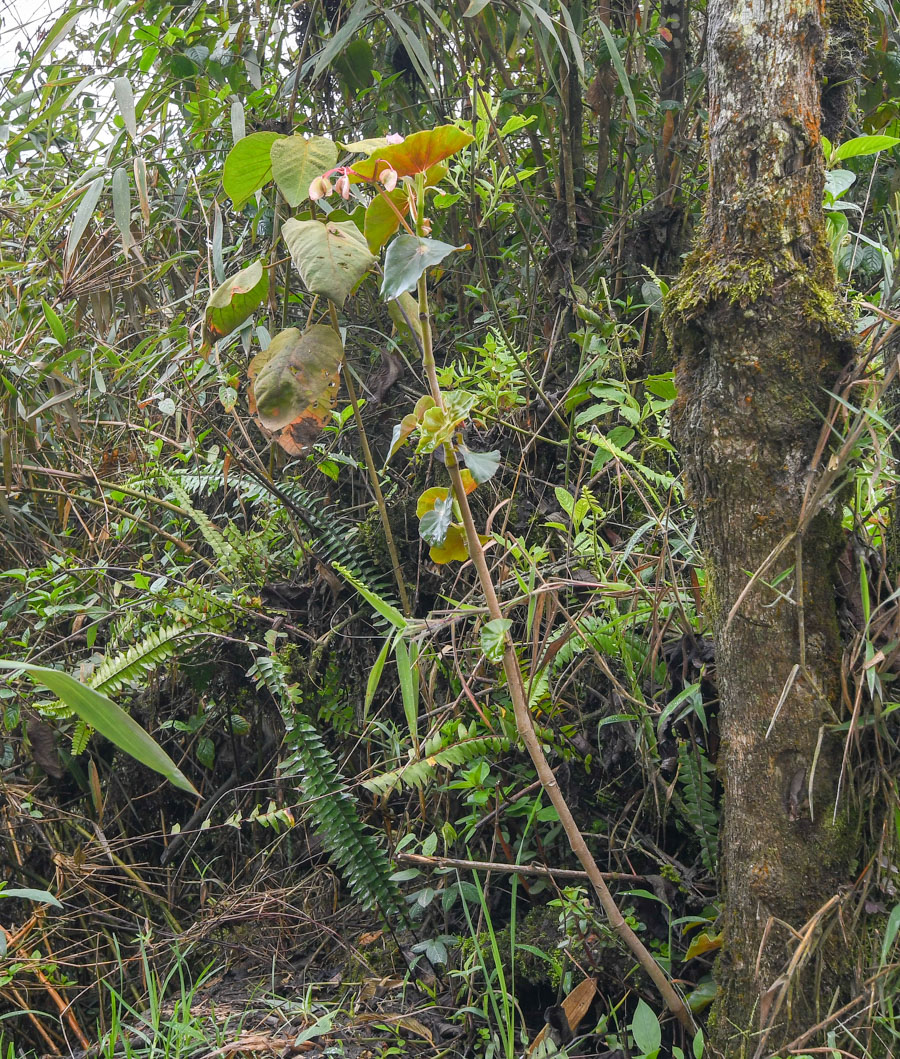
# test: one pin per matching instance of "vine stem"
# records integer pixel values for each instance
(516, 685)
(373, 474)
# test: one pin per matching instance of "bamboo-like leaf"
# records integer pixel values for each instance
(385, 609)
(109, 719)
(83, 215)
(27, 894)
(124, 94)
(121, 195)
(375, 677)
(619, 67)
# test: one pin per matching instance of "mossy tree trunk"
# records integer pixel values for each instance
(759, 328)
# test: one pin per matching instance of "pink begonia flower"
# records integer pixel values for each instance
(394, 137)
(320, 188)
(342, 186)
(389, 178)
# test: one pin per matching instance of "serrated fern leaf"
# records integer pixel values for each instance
(350, 844)
(696, 782)
(605, 637)
(135, 663)
(418, 773)
(80, 735)
(229, 558)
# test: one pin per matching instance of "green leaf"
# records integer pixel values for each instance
(475, 8)
(381, 221)
(697, 1045)
(356, 65)
(55, 35)
(493, 638)
(375, 677)
(434, 524)
(331, 258)
(124, 94)
(83, 215)
(890, 933)
(297, 161)
(645, 1029)
(619, 67)
(863, 145)
(406, 259)
(483, 465)
(248, 166)
(344, 36)
(296, 376)
(236, 300)
(418, 152)
(108, 719)
(27, 894)
(56, 325)
(407, 671)
(121, 196)
(404, 311)
(837, 181)
(385, 609)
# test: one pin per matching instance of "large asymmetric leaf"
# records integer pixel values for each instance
(248, 166)
(417, 153)
(234, 301)
(108, 719)
(296, 162)
(382, 220)
(331, 258)
(295, 380)
(406, 259)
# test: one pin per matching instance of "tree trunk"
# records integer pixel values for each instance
(761, 334)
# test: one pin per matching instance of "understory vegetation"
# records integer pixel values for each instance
(335, 452)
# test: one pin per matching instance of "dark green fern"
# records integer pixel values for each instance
(696, 779)
(351, 845)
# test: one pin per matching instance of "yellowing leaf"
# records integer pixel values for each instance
(294, 384)
(453, 549)
(703, 943)
(417, 153)
(234, 301)
(429, 498)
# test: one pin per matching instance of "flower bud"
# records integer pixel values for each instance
(426, 226)
(394, 137)
(389, 178)
(342, 186)
(320, 188)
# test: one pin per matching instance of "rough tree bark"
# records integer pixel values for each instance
(761, 333)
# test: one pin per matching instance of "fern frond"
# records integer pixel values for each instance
(80, 735)
(229, 557)
(351, 845)
(603, 635)
(418, 773)
(133, 664)
(696, 780)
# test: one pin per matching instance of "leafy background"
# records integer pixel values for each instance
(238, 598)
